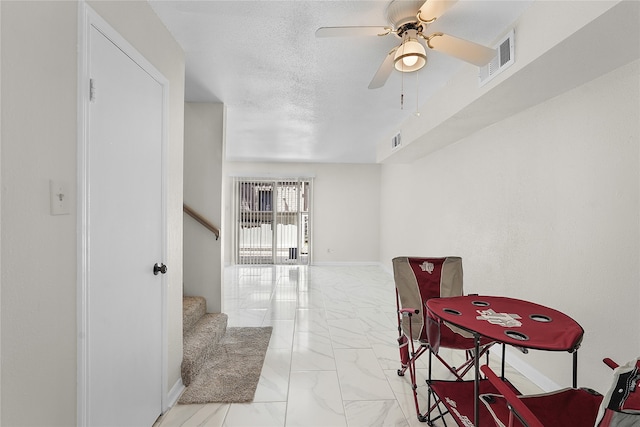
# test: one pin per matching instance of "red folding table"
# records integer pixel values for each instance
(510, 321)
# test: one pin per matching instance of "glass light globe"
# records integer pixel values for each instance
(410, 61)
(410, 56)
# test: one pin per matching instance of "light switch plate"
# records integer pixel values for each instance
(59, 198)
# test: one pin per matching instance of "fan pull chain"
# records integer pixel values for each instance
(402, 91)
(402, 76)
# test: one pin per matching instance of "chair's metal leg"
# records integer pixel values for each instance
(428, 414)
(442, 416)
(488, 351)
(436, 404)
(462, 370)
(503, 362)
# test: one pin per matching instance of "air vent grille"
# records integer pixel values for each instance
(396, 141)
(505, 52)
(502, 60)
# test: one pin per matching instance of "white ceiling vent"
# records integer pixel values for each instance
(501, 61)
(396, 141)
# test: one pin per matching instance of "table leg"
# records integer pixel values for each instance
(575, 368)
(476, 383)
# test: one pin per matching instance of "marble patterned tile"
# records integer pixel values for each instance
(378, 413)
(348, 333)
(343, 312)
(289, 276)
(311, 320)
(339, 308)
(240, 317)
(256, 301)
(176, 415)
(286, 293)
(334, 293)
(311, 300)
(209, 415)
(361, 377)
(403, 393)
(388, 355)
(315, 400)
(373, 321)
(382, 336)
(281, 310)
(404, 396)
(312, 352)
(281, 334)
(268, 414)
(273, 385)
(366, 298)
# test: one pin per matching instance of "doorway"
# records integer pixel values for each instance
(272, 221)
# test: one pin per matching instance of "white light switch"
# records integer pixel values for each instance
(59, 198)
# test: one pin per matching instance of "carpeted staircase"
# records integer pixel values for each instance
(201, 332)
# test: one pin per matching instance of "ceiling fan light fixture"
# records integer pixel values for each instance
(410, 56)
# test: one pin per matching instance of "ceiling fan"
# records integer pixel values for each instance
(408, 21)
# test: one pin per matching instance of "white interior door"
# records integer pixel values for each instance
(125, 239)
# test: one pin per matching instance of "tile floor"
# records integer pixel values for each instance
(333, 355)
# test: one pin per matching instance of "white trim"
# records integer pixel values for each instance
(82, 218)
(0, 223)
(270, 176)
(88, 18)
(529, 372)
(388, 269)
(346, 263)
(174, 394)
(532, 374)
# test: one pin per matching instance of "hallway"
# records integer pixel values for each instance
(332, 358)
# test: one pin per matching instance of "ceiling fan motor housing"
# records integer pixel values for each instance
(415, 26)
(400, 12)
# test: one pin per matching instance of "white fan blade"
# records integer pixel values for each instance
(352, 31)
(433, 9)
(384, 71)
(471, 52)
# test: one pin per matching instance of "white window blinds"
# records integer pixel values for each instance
(272, 220)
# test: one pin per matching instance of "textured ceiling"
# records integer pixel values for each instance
(293, 97)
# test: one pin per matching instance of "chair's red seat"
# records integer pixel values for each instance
(562, 408)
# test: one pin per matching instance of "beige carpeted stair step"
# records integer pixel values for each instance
(200, 342)
(193, 308)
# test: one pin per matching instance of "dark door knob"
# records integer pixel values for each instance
(159, 268)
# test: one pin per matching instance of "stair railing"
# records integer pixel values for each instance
(202, 220)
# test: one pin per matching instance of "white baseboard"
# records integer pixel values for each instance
(174, 394)
(532, 374)
(345, 264)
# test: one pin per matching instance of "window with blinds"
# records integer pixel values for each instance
(272, 221)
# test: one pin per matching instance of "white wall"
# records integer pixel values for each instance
(39, 142)
(346, 206)
(38, 250)
(0, 217)
(203, 142)
(542, 206)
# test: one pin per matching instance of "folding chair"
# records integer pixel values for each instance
(576, 407)
(417, 280)
(621, 404)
